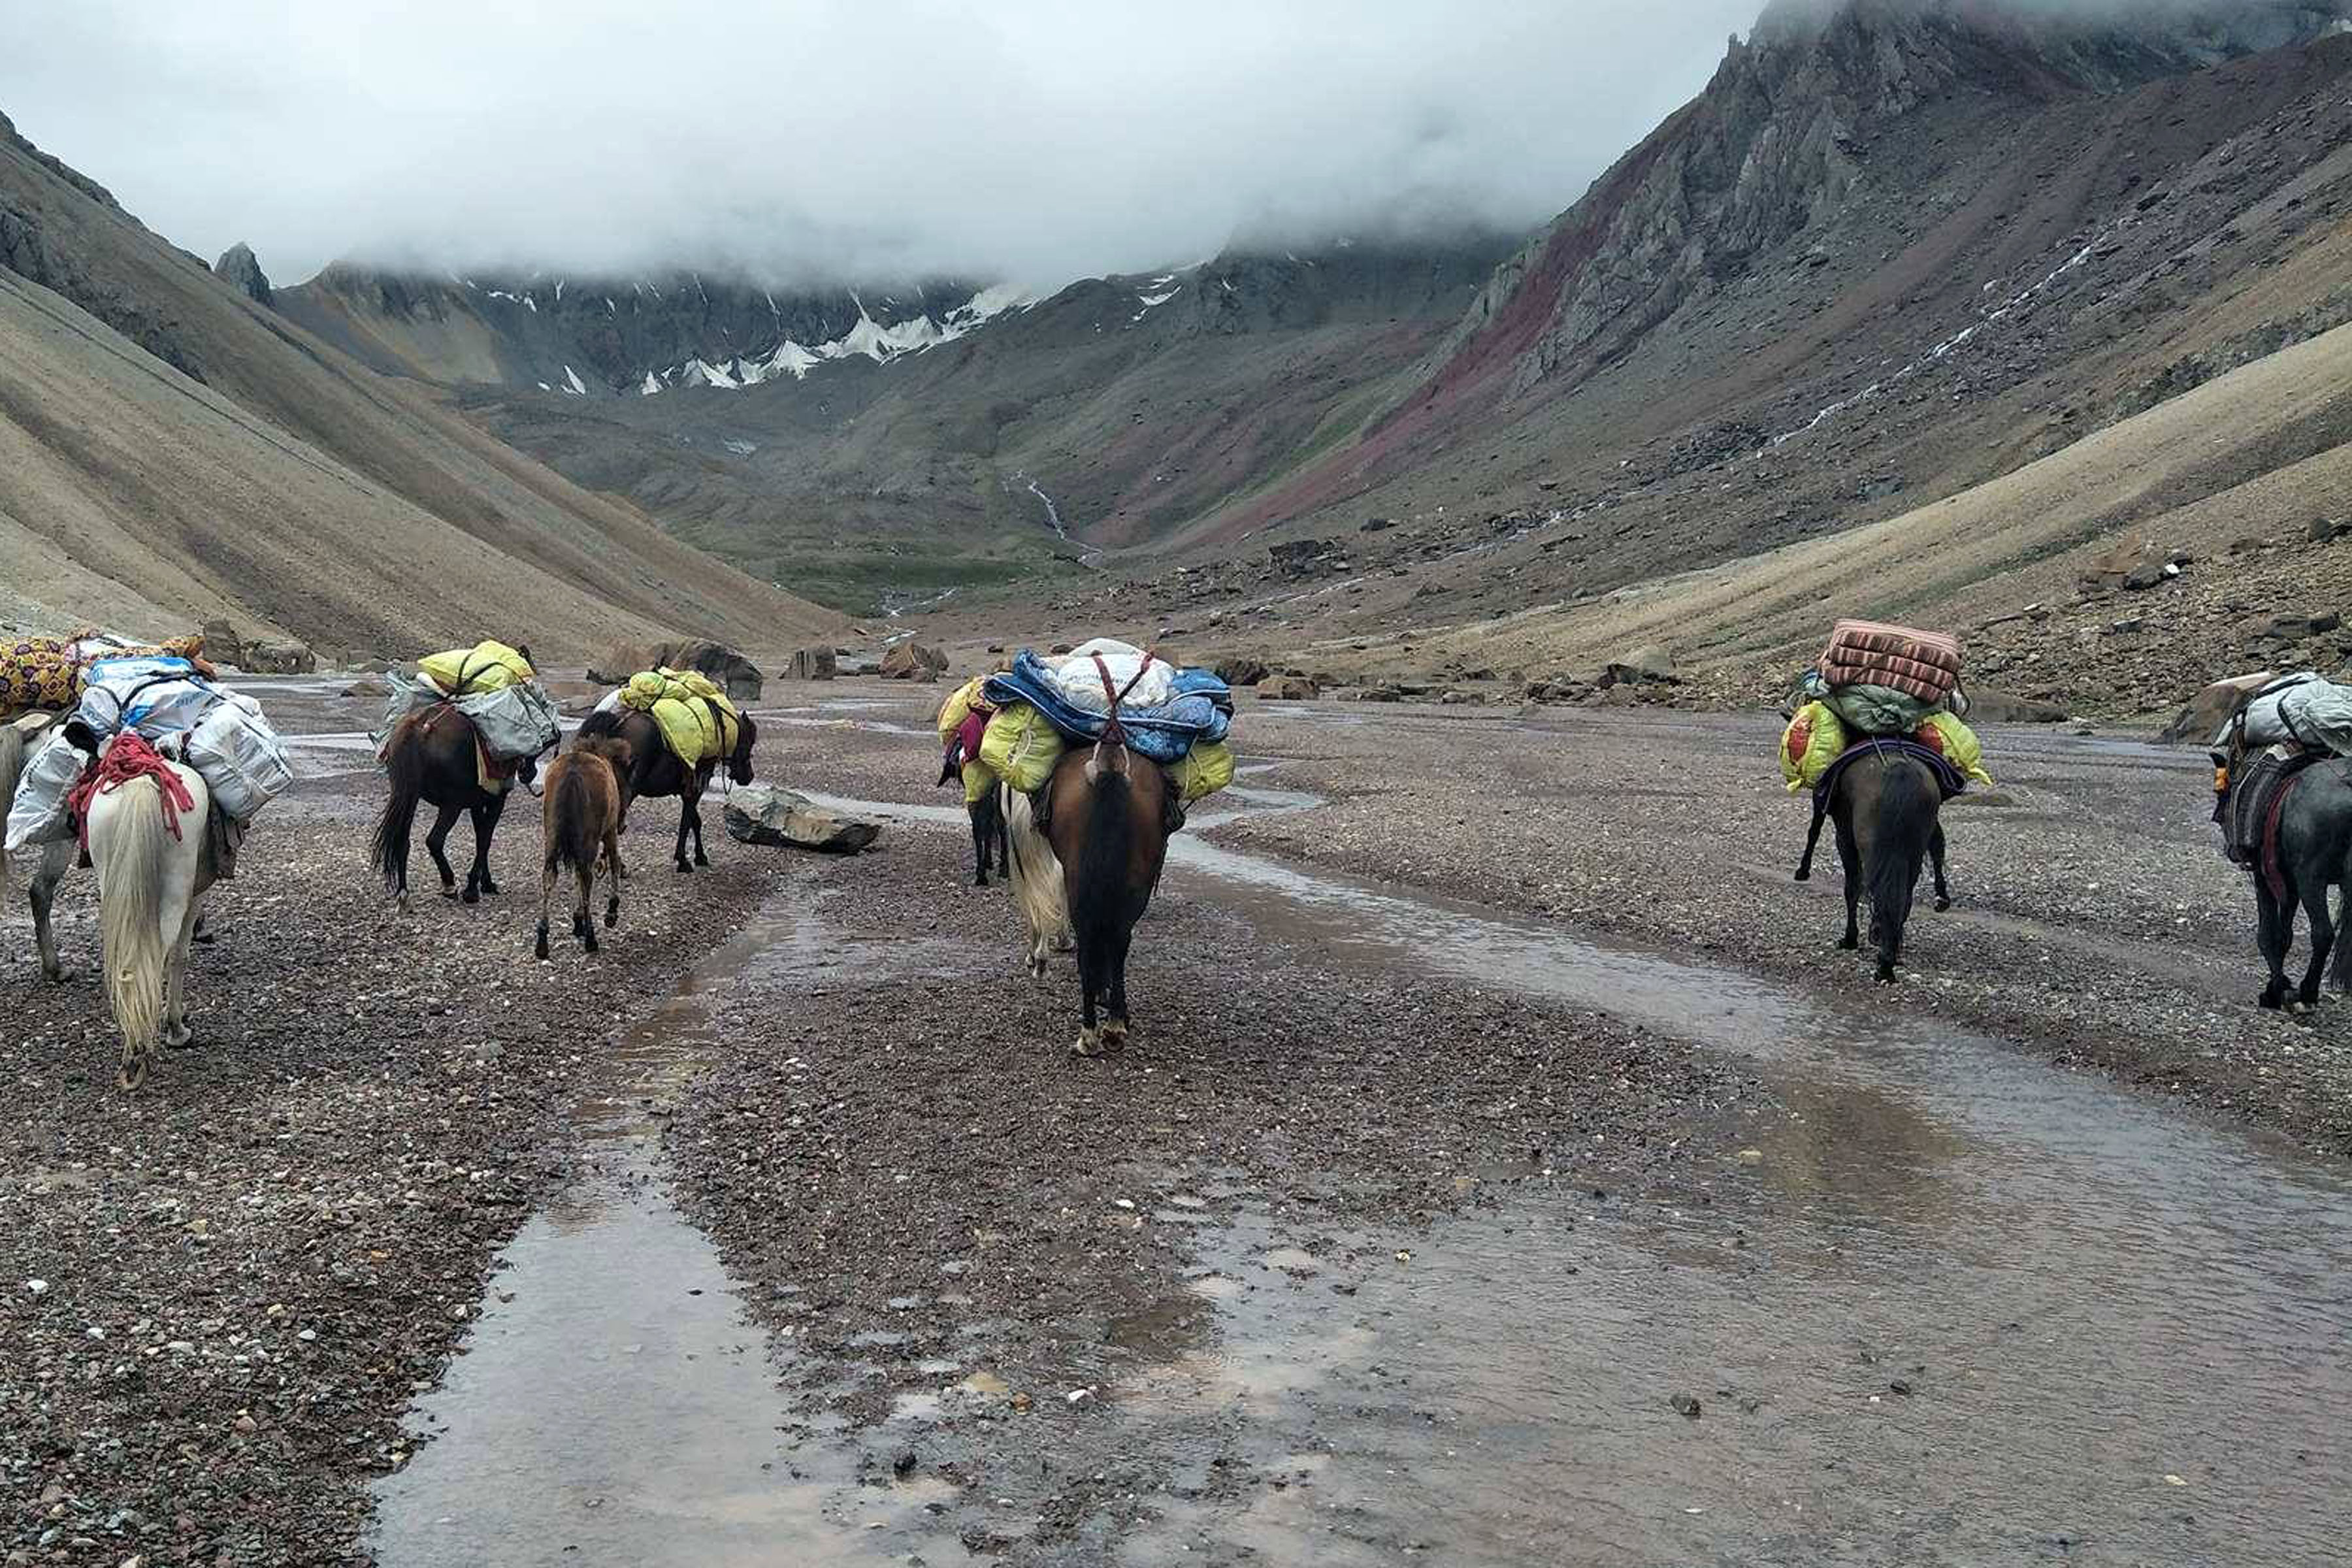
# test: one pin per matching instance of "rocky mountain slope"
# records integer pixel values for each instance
(174, 450)
(1896, 254)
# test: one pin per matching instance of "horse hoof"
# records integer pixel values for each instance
(541, 947)
(63, 975)
(490, 889)
(1849, 943)
(1804, 876)
(472, 895)
(450, 890)
(612, 917)
(132, 1075)
(1886, 974)
(1943, 905)
(1088, 1044)
(2269, 1002)
(186, 1042)
(1114, 1037)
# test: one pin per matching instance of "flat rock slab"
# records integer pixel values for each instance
(758, 813)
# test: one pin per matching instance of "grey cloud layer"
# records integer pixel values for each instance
(1037, 140)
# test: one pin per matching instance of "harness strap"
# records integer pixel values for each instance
(1113, 731)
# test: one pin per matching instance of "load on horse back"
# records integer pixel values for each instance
(471, 726)
(2282, 798)
(1879, 740)
(580, 824)
(680, 709)
(144, 821)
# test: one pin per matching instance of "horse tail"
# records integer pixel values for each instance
(1037, 885)
(574, 832)
(404, 760)
(12, 766)
(130, 855)
(1099, 893)
(1907, 800)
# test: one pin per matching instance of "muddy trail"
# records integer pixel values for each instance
(1408, 1229)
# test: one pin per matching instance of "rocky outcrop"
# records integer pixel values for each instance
(816, 664)
(223, 643)
(737, 676)
(913, 661)
(239, 269)
(274, 656)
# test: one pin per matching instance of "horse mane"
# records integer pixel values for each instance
(603, 721)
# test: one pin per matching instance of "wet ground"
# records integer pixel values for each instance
(1417, 1224)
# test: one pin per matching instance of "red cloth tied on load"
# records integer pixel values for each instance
(128, 757)
(1925, 665)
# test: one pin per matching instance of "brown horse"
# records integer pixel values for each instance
(431, 756)
(1091, 870)
(657, 772)
(587, 795)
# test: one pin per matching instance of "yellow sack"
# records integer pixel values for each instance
(957, 708)
(485, 667)
(1021, 746)
(1204, 769)
(682, 704)
(1813, 740)
(977, 780)
(1958, 743)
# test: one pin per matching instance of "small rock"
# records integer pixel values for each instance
(1686, 1406)
(904, 1465)
(761, 814)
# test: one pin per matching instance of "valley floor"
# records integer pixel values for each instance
(1505, 1169)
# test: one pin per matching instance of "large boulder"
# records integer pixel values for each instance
(816, 664)
(1647, 665)
(223, 643)
(1240, 670)
(761, 814)
(2214, 707)
(913, 661)
(1288, 688)
(2002, 708)
(271, 656)
(734, 674)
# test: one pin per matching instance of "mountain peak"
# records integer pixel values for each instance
(238, 268)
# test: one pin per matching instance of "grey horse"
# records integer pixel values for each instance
(51, 862)
(2315, 853)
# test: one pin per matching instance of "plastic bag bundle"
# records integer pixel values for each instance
(238, 755)
(38, 814)
(1020, 747)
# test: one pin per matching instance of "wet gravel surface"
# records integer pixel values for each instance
(246, 1269)
(2095, 920)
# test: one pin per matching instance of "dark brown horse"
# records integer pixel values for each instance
(655, 769)
(1091, 870)
(1885, 805)
(587, 796)
(431, 756)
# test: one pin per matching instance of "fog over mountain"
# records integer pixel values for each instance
(1033, 139)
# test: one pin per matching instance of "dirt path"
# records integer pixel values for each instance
(1410, 1229)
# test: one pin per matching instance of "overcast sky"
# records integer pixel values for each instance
(1030, 139)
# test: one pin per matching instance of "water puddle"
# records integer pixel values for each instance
(613, 1404)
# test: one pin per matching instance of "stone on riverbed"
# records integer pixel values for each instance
(758, 813)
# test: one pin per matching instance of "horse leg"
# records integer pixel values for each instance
(1850, 857)
(612, 894)
(42, 894)
(2322, 938)
(546, 896)
(2274, 930)
(694, 815)
(1812, 839)
(1091, 984)
(176, 1033)
(979, 842)
(1936, 854)
(435, 842)
(1113, 1029)
(486, 827)
(683, 812)
(582, 926)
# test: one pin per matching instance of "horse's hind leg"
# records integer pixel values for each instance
(612, 893)
(694, 816)
(1936, 857)
(436, 842)
(582, 926)
(1850, 857)
(2322, 938)
(176, 1032)
(980, 838)
(1113, 1029)
(2274, 923)
(1092, 965)
(546, 898)
(486, 828)
(42, 894)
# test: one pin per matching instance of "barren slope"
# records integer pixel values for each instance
(293, 488)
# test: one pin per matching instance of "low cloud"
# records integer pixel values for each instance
(1034, 140)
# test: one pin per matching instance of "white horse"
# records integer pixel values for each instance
(51, 861)
(149, 888)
